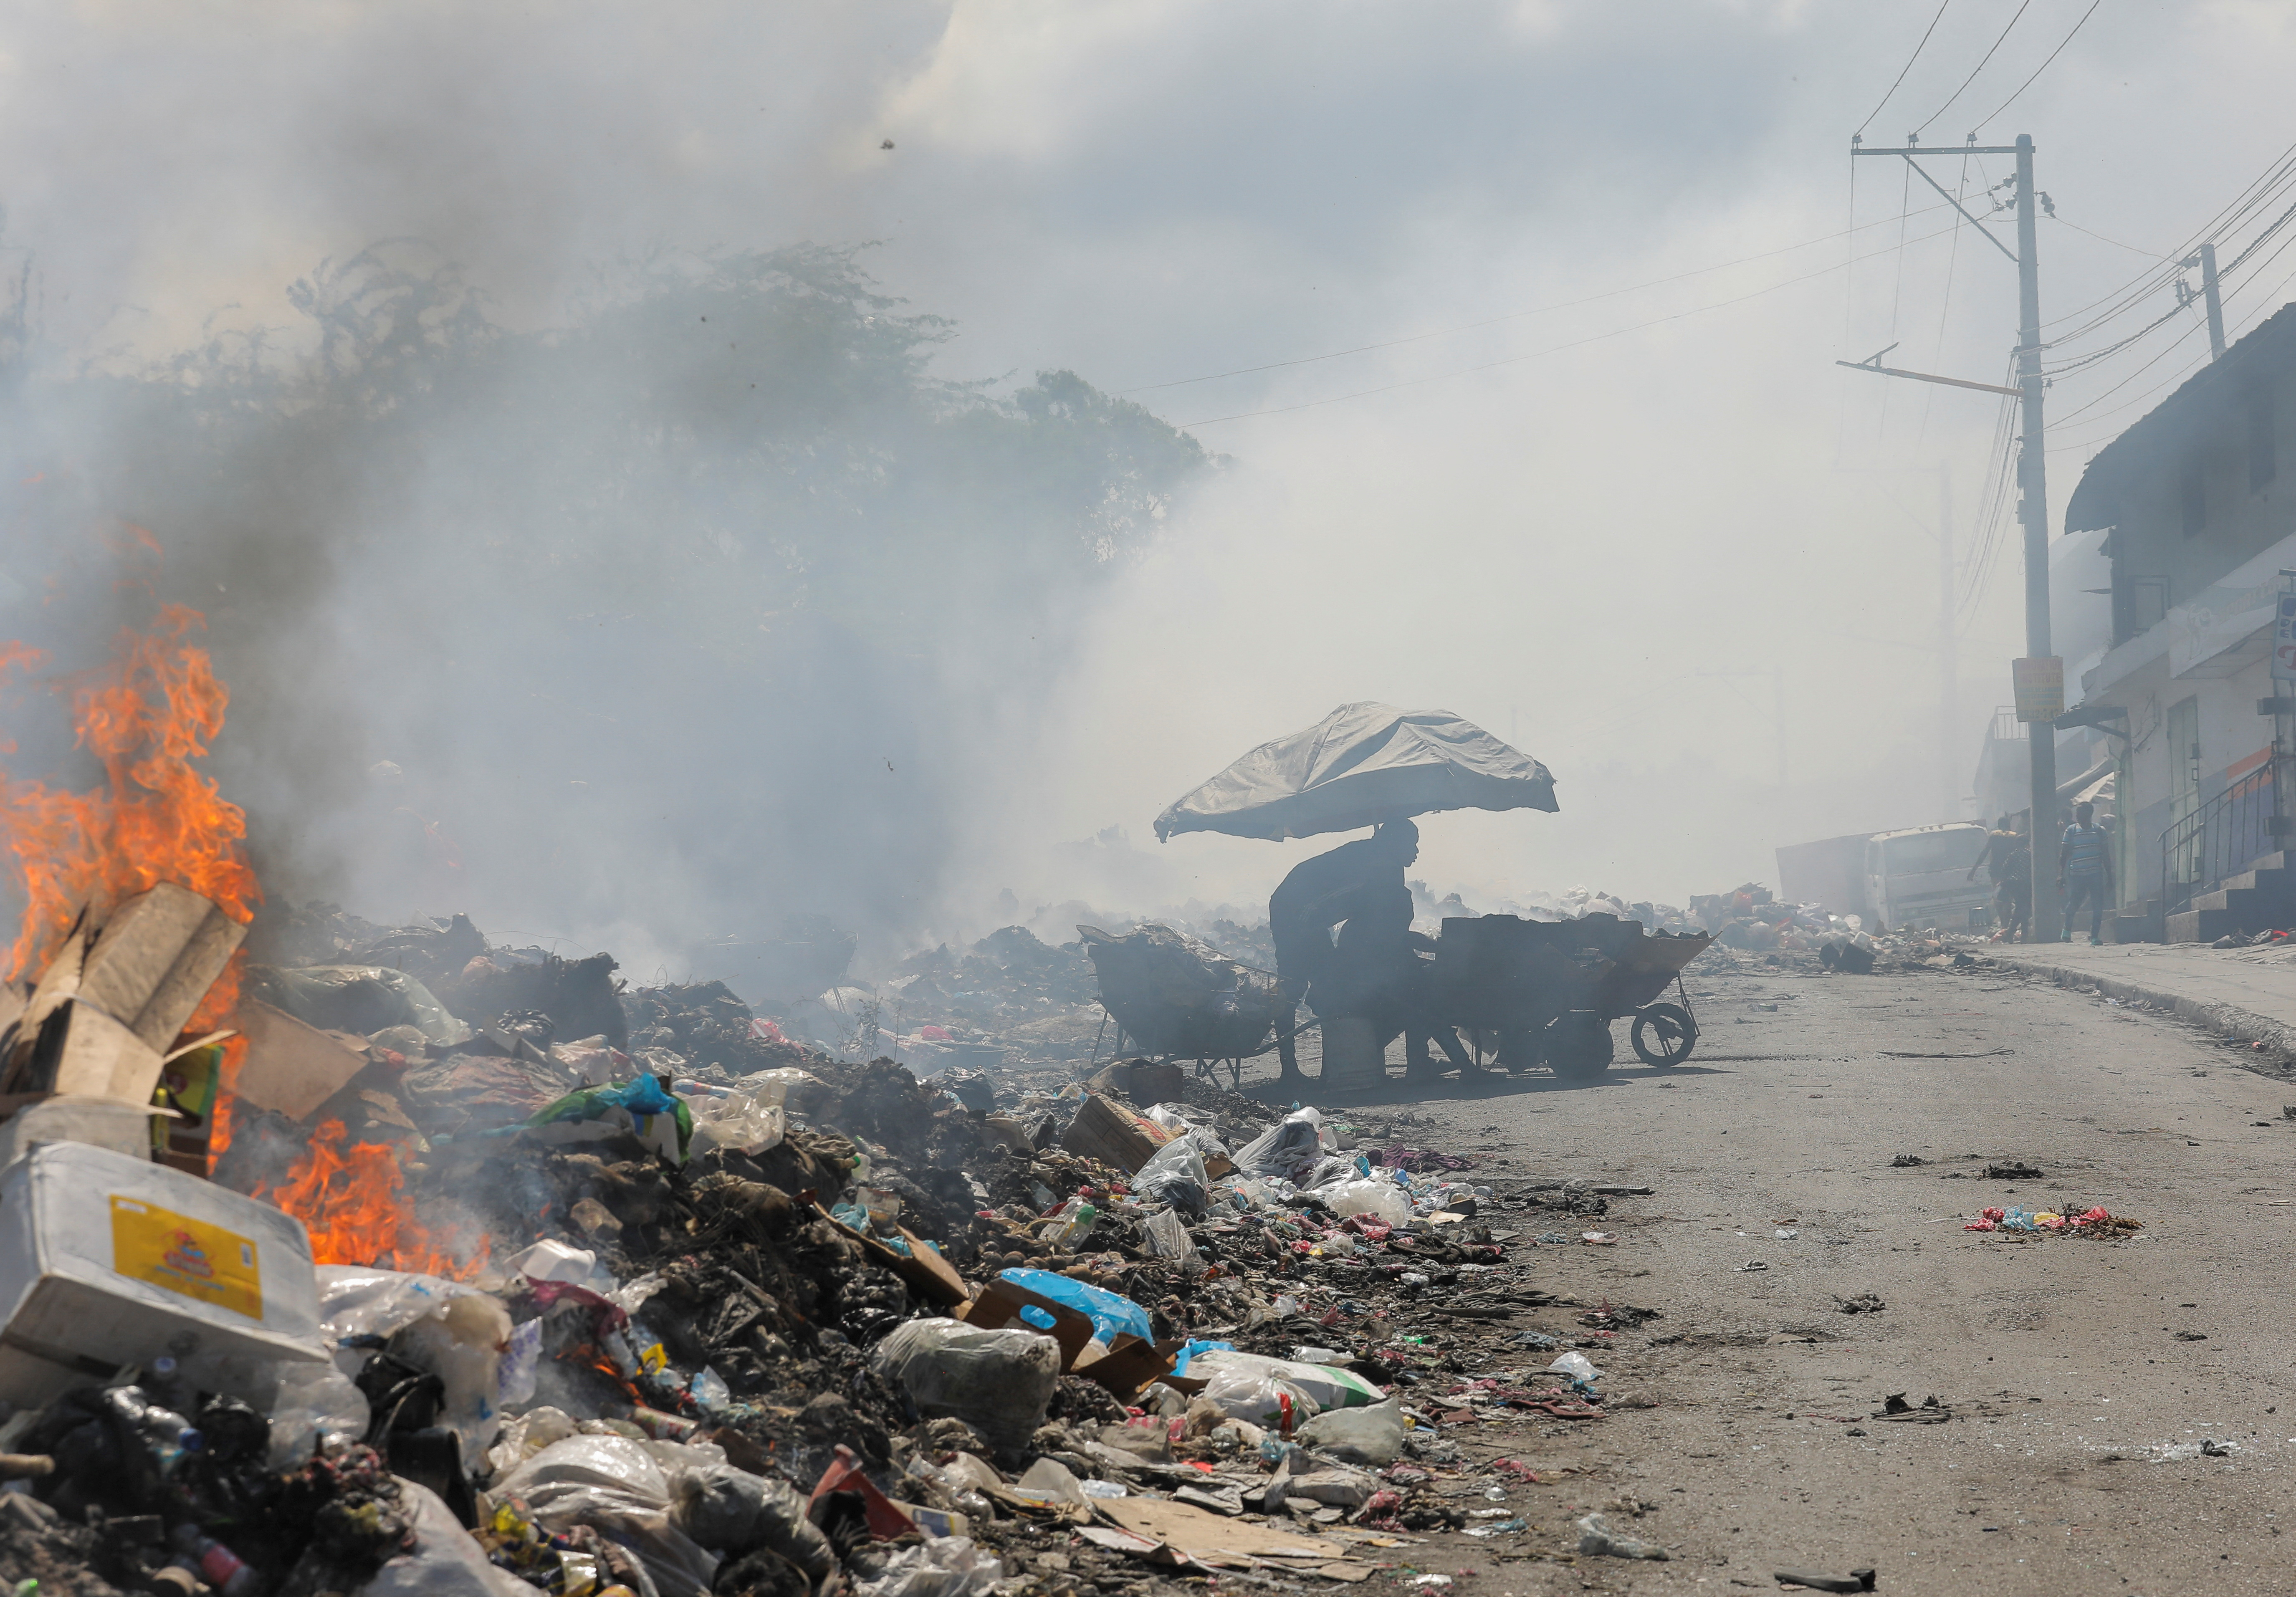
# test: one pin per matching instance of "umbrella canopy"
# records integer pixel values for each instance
(1361, 765)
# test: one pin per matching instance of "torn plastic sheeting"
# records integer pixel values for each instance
(616, 1485)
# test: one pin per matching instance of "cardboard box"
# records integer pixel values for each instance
(1112, 1135)
(107, 1260)
(155, 958)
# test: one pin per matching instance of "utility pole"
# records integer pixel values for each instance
(2032, 479)
(2215, 301)
(2032, 473)
(1948, 668)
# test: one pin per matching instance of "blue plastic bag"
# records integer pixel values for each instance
(1111, 1313)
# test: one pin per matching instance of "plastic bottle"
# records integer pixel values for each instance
(1070, 1223)
(167, 1433)
(218, 1564)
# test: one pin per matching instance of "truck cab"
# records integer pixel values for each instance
(1919, 880)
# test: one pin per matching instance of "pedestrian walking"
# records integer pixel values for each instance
(2085, 871)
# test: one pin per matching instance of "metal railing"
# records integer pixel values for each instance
(2220, 838)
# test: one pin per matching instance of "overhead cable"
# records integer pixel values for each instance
(2044, 67)
(1908, 67)
(1965, 82)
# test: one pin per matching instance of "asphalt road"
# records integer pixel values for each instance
(2072, 1464)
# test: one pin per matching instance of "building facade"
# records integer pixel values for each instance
(2198, 520)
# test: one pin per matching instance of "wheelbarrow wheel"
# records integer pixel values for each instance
(1577, 1045)
(1664, 1034)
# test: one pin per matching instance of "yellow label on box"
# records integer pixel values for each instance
(202, 1262)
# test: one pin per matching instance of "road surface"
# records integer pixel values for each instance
(2080, 1383)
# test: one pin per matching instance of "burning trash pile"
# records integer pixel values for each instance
(344, 1259)
(469, 1308)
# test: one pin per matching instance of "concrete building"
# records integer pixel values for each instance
(2198, 522)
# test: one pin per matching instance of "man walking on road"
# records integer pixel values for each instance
(2085, 871)
(2009, 862)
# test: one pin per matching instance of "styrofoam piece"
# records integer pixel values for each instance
(107, 1260)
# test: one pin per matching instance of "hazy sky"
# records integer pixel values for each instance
(1629, 552)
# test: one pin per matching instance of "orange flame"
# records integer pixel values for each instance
(146, 715)
(349, 1200)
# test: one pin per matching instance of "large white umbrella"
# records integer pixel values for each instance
(1361, 765)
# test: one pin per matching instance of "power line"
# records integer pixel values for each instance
(2044, 67)
(1389, 388)
(1516, 316)
(2116, 243)
(1965, 82)
(1908, 67)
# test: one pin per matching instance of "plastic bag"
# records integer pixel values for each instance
(614, 1484)
(1291, 1147)
(739, 1122)
(787, 1087)
(732, 1512)
(1175, 1174)
(1329, 1387)
(1167, 1238)
(1382, 1199)
(1578, 1366)
(1257, 1397)
(640, 1105)
(444, 1561)
(1112, 1313)
(1372, 1437)
(461, 1341)
(360, 998)
(313, 1401)
(949, 1566)
(1174, 1118)
(996, 1381)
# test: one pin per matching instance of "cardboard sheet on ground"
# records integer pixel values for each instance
(1206, 1535)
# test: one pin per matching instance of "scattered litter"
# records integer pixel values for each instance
(1864, 1303)
(1857, 1580)
(1598, 1540)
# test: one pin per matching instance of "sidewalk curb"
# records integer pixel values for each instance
(2225, 1020)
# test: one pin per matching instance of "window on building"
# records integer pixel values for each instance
(2263, 462)
(2193, 501)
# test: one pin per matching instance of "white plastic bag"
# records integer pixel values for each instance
(1369, 1195)
(945, 1567)
(996, 1381)
(614, 1484)
(736, 1121)
(444, 1561)
(1329, 1387)
(1576, 1365)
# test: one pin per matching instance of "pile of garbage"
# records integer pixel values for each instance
(614, 1293)
(2095, 1221)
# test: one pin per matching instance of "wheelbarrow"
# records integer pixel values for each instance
(1545, 992)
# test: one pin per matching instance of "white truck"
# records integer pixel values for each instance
(1919, 880)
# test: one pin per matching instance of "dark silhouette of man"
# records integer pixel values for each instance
(1318, 895)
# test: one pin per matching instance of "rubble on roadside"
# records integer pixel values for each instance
(666, 1302)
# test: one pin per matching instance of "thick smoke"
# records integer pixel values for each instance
(708, 615)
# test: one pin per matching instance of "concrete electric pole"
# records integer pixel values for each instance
(2032, 477)
(2210, 298)
(1948, 666)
